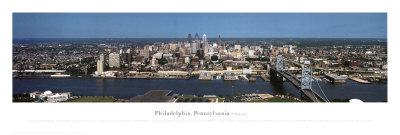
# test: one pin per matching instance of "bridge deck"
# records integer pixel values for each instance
(296, 82)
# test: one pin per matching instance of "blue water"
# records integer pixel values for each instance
(127, 88)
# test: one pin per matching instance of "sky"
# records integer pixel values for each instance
(179, 25)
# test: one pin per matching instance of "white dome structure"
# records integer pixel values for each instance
(356, 101)
(47, 92)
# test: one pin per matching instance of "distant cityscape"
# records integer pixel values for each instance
(332, 60)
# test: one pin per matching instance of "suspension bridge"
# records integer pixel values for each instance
(304, 84)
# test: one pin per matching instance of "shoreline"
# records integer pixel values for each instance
(179, 98)
(358, 80)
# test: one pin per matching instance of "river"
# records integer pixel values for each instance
(127, 88)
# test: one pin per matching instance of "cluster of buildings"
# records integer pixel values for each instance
(50, 97)
(195, 55)
(346, 57)
(191, 56)
(337, 63)
(52, 55)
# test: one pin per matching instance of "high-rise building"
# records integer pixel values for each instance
(100, 65)
(129, 56)
(204, 39)
(113, 60)
(291, 51)
(193, 47)
(190, 38)
(196, 37)
(237, 47)
(219, 42)
(205, 44)
(220, 45)
(196, 45)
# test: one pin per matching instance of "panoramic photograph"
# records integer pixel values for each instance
(199, 57)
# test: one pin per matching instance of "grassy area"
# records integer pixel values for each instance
(279, 99)
(93, 99)
(192, 99)
(22, 98)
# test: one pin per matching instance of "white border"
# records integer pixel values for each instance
(271, 118)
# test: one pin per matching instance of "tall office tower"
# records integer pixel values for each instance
(100, 65)
(190, 38)
(220, 45)
(129, 56)
(219, 42)
(204, 38)
(196, 37)
(193, 47)
(123, 56)
(196, 44)
(113, 60)
(205, 44)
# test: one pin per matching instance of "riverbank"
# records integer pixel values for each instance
(93, 99)
(176, 98)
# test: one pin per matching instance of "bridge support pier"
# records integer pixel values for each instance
(276, 82)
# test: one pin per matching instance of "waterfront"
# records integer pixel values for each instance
(127, 88)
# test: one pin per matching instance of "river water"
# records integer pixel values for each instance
(127, 88)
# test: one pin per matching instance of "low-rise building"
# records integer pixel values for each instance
(49, 96)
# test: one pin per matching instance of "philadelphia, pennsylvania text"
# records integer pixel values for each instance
(183, 113)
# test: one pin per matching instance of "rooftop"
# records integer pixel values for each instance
(154, 96)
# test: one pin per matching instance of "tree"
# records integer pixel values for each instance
(214, 58)
(162, 61)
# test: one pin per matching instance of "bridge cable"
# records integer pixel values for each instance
(322, 91)
(316, 98)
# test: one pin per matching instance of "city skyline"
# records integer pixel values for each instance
(178, 25)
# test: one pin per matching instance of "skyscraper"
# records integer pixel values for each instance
(129, 56)
(219, 42)
(196, 43)
(190, 38)
(100, 65)
(205, 44)
(193, 47)
(204, 39)
(113, 60)
(196, 37)
(221, 46)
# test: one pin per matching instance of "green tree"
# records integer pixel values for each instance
(214, 58)
(162, 61)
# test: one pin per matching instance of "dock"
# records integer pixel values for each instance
(359, 80)
(335, 79)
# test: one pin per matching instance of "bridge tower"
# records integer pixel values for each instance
(279, 63)
(306, 78)
(275, 78)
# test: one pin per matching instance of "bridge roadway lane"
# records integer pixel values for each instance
(310, 94)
